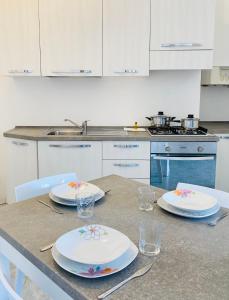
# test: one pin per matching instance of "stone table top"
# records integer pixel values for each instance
(193, 263)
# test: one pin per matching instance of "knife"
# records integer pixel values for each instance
(45, 248)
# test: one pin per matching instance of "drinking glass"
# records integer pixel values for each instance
(85, 207)
(146, 198)
(150, 237)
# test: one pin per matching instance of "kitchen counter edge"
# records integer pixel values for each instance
(39, 133)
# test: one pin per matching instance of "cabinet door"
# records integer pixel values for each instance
(126, 150)
(71, 37)
(83, 158)
(221, 34)
(222, 165)
(21, 164)
(127, 168)
(19, 38)
(126, 34)
(182, 24)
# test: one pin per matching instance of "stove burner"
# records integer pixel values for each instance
(176, 130)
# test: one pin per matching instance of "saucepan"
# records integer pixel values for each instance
(160, 120)
(189, 123)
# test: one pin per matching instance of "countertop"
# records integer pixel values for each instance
(39, 133)
(193, 263)
(216, 127)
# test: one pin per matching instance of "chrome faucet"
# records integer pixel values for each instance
(83, 127)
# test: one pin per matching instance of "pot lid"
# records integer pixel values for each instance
(160, 114)
(191, 117)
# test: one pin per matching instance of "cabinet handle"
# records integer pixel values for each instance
(69, 146)
(126, 146)
(25, 71)
(126, 71)
(224, 137)
(73, 72)
(133, 165)
(20, 143)
(224, 68)
(174, 45)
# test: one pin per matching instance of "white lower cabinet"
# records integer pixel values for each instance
(222, 164)
(29, 160)
(84, 158)
(127, 168)
(127, 159)
(21, 164)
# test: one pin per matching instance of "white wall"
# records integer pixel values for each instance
(104, 101)
(214, 104)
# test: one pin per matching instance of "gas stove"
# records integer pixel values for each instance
(176, 130)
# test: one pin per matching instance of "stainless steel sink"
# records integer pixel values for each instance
(106, 132)
(90, 132)
(64, 132)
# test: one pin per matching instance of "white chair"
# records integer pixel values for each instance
(41, 186)
(222, 197)
(6, 290)
(29, 190)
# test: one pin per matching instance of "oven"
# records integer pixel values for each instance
(187, 162)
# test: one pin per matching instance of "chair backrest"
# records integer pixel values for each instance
(41, 186)
(6, 291)
(222, 197)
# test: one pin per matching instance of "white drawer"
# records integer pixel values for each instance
(127, 168)
(126, 150)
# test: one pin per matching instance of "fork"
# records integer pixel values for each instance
(51, 207)
(214, 222)
(139, 273)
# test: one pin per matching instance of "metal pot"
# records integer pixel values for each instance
(160, 120)
(190, 122)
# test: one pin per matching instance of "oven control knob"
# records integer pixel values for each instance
(167, 149)
(200, 149)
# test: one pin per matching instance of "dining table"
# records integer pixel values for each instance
(193, 262)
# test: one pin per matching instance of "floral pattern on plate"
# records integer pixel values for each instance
(184, 193)
(92, 232)
(75, 185)
(95, 271)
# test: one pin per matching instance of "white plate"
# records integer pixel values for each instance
(190, 200)
(74, 190)
(197, 215)
(70, 202)
(96, 271)
(93, 244)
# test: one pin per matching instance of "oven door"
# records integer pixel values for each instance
(168, 170)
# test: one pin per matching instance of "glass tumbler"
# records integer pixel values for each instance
(150, 237)
(85, 207)
(146, 198)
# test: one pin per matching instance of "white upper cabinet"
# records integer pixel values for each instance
(182, 24)
(221, 54)
(71, 37)
(19, 38)
(126, 36)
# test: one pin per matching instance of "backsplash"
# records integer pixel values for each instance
(104, 101)
(214, 104)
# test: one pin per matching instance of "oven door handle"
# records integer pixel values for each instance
(183, 158)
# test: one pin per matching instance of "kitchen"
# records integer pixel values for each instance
(44, 83)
